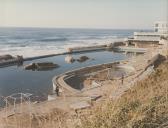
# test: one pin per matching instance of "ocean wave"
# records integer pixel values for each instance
(36, 49)
(52, 39)
(30, 42)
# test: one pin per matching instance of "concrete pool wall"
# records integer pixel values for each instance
(60, 80)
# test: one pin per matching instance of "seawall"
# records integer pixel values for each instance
(111, 46)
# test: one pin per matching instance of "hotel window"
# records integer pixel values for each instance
(156, 25)
(156, 30)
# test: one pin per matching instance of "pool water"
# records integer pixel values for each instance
(16, 79)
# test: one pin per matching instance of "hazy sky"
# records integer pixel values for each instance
(82, 13)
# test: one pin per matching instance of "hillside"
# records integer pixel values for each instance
(144, 106)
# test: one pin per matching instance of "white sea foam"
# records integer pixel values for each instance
(34, 43)
(37, 50)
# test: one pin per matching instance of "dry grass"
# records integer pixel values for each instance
(55, 119)
(144, 106)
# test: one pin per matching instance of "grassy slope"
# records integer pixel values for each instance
(144, 106)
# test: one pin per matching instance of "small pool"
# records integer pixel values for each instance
(82, 78)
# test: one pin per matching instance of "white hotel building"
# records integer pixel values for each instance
(153, 37)
(161, 27)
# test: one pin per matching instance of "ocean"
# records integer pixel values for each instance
(39, 41)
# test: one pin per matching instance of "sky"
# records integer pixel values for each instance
(121, 14)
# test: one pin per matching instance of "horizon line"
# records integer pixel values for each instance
(75, 28)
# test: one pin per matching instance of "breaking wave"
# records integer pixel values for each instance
(33, 42)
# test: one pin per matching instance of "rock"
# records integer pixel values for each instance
(95, 97)
(116, 44)
(69, 59)
(82, 59)
(6, 57)
(80, 105)
(20, 58)
(109, 45)
(41, 66)
(46, 66)
(69, 50)
(155, 61)
(52, 97)
(31, 66)
(7, 60)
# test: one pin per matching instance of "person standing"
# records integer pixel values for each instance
(57, 90)
(122, 79)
